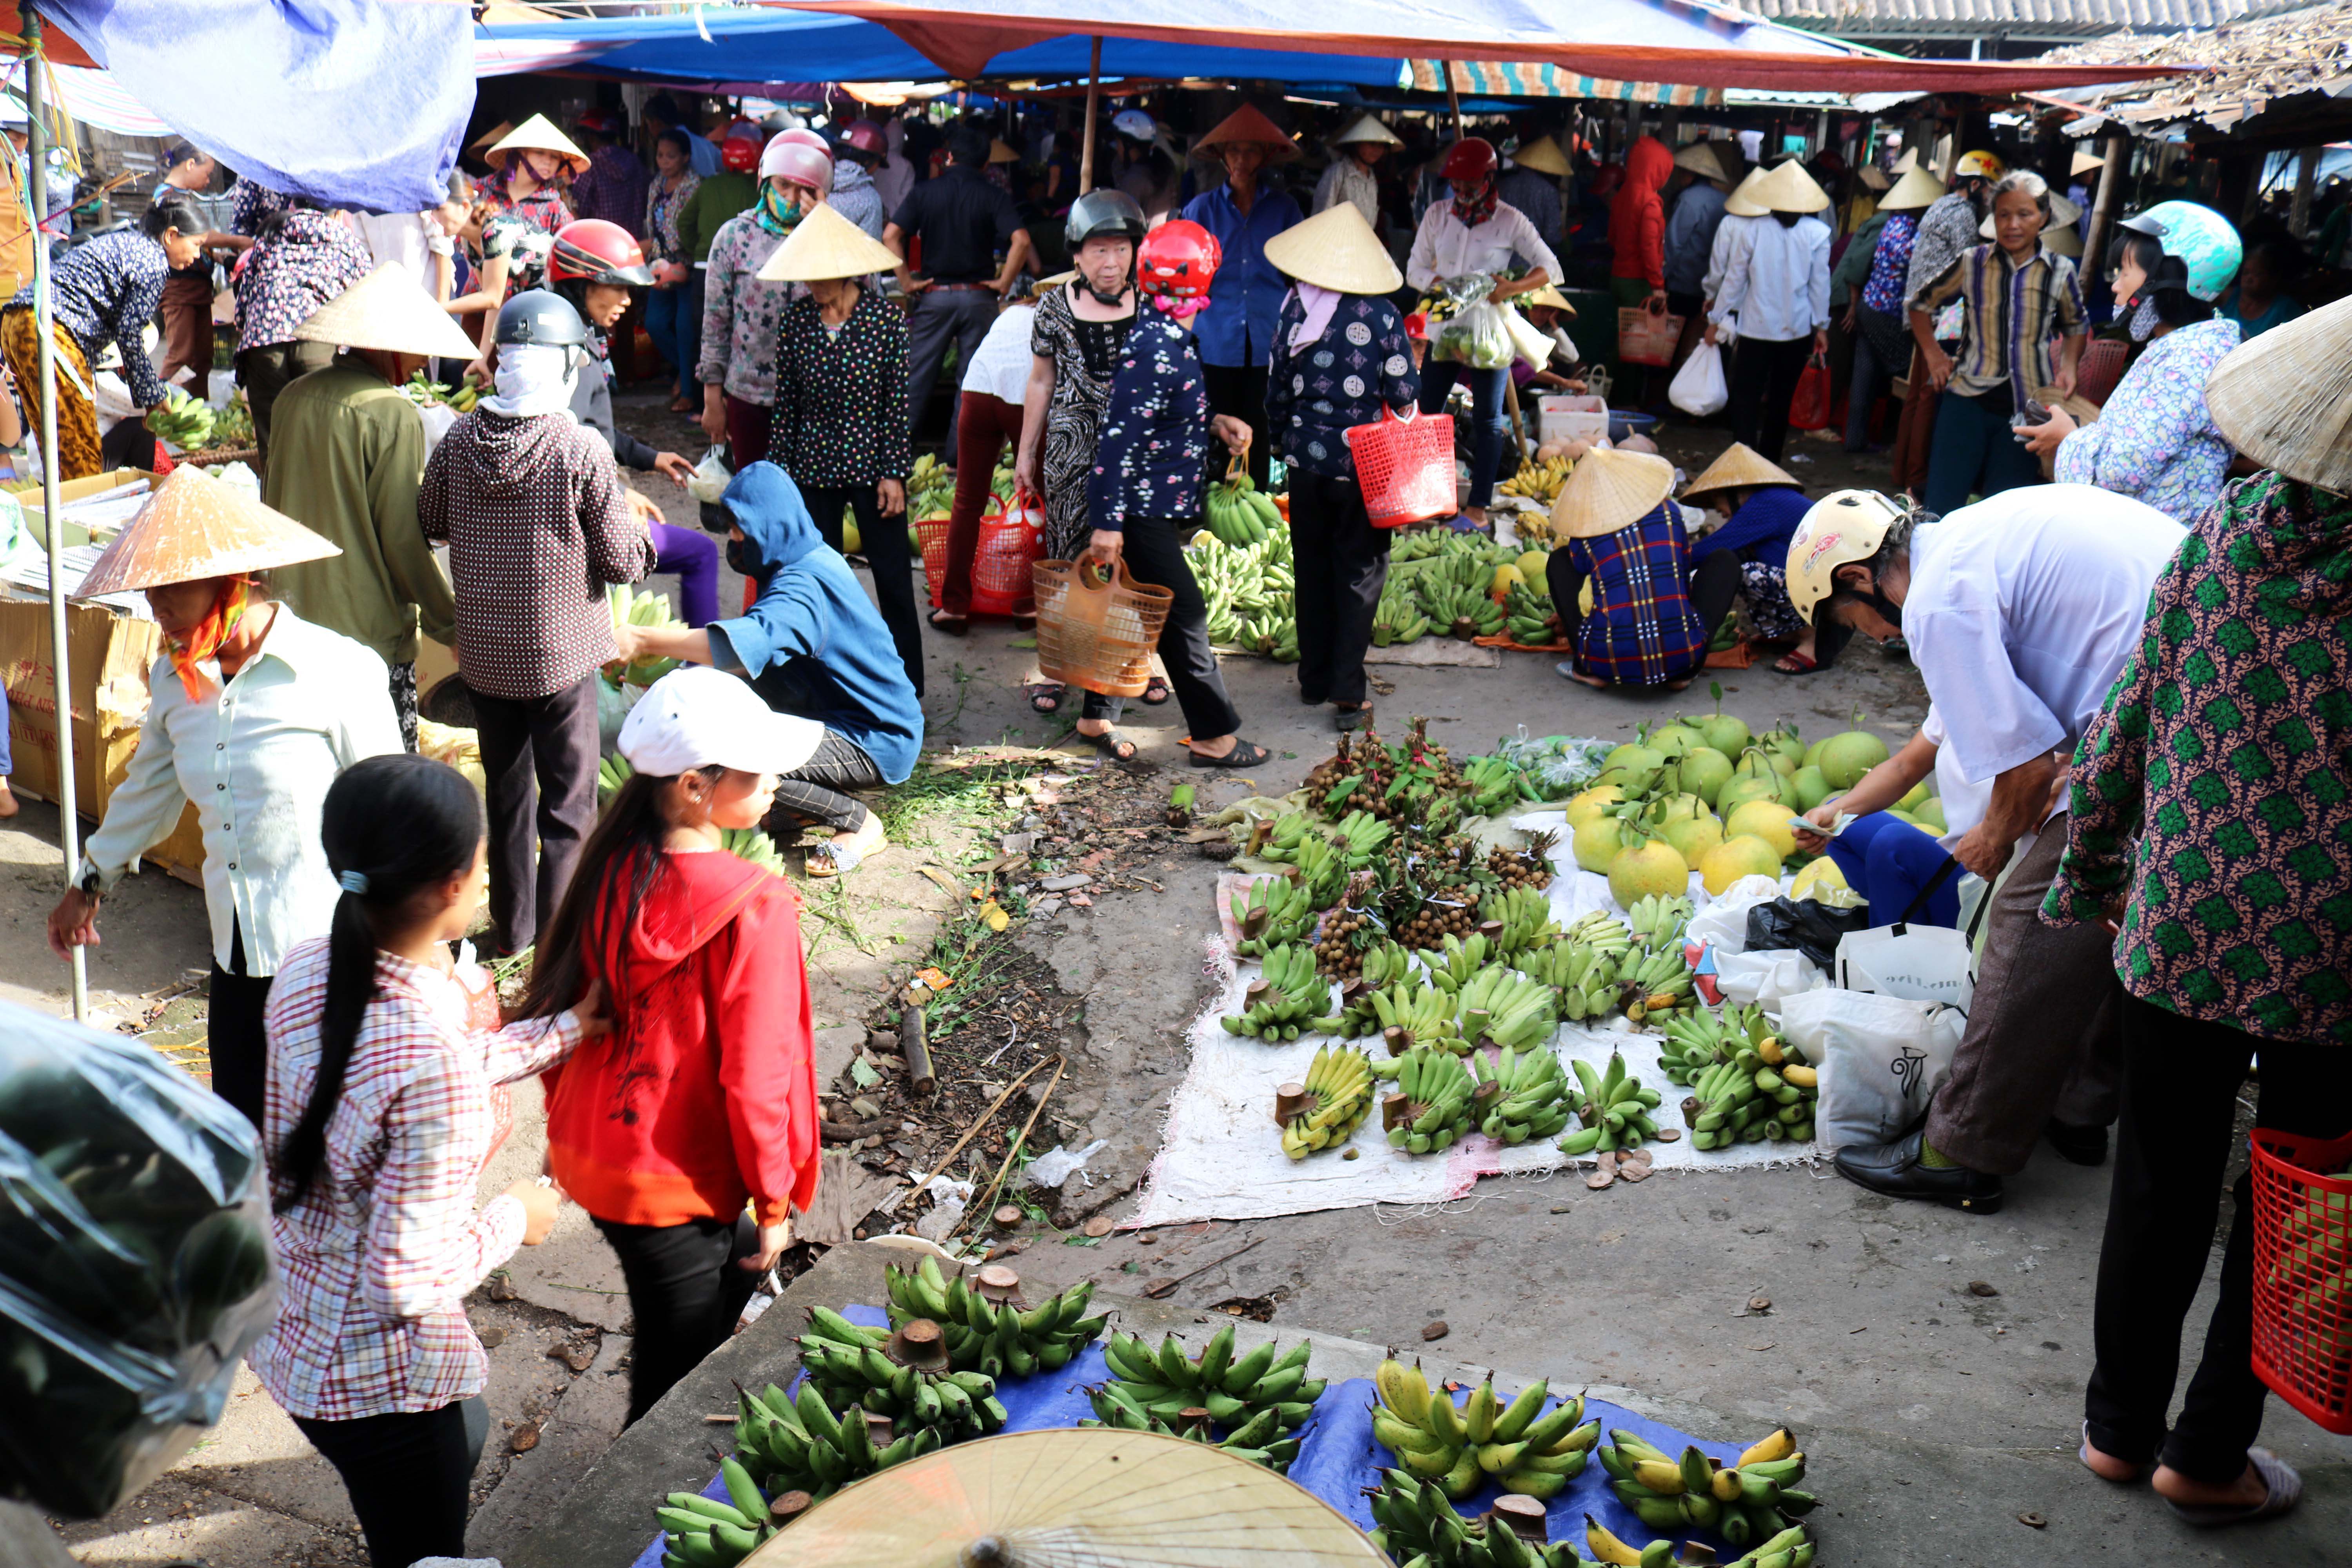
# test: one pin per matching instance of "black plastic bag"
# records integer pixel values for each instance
(1812, 928)
(135, 1265)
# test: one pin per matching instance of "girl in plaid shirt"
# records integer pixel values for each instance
(379, 1122)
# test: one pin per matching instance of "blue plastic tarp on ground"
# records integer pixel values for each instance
(356, 103)
(1337, 1458)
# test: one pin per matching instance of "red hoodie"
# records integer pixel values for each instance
(705, 1092)
(1637, 218)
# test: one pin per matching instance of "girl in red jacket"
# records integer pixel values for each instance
(703, 1098)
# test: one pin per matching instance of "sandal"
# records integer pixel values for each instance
(1568, 671)
(826, 861)
(2285, 1491)
(1155, 692)
(955, 626)
(1242, 755)
(1110, 743)
(1796, 664)
(1045, 697)
(1348, 720)
(2139, 1472)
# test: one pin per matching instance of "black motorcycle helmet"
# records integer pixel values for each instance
(1104, 214)
(541, 317)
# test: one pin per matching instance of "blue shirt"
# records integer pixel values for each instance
(1150, 456)
(1314, 395)
(1237, 329)
(702, 153)
(2281, 311)
(1690, 236)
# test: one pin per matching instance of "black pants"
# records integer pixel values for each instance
(1153, 556)
(941, 315)
(2173, 1142)
(686, 1293)
(1714, 585)
(539, 758)
(883, 542)
(233, 1033)
(818, 790)
(408, 1475)
(266, 372)
(1763, 380)
(1340, 563)
(1239, 390)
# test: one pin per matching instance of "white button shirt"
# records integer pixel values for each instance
(1775, 287)
(1443, 247)
(2022, 610)
(1001, 367)
(256, 760)
(1731, 239)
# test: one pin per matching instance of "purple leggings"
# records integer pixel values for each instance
(693, 556)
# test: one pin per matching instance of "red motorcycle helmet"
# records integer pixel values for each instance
(739, 155)
(602, 122)
(1179, 260)
(866, 137)
(594, 251)
(1473, 158)
(797, 163)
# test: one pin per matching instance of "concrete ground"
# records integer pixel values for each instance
(1936, 1418)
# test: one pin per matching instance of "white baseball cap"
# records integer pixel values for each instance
(698, 717)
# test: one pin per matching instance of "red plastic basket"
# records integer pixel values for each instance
(2303, 1273)
(1008, 547)
(1405, 466)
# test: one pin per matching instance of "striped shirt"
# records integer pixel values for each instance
(2011, 317)
(1643, 630)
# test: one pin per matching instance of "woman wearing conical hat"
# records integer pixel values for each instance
(1761, 505)
(1651, 612)
(1354, 153)
(529, 168)
(251, 713)
(1235, 334)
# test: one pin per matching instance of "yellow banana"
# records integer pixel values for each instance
(1607, 1547)
(1779, 1446)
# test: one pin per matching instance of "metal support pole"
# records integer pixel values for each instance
(37, 188)
(1094, 100)
(2105, 204)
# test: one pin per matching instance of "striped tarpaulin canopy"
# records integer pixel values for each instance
(1509, 79)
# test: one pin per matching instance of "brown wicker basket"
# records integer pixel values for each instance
(1094, 633)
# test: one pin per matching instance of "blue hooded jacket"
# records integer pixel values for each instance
(812, 642)
(1766, 525)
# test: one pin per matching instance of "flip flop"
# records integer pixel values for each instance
(2285, 1491)
(1242, 755)
(2139, 1472)
(826, 861)
(1348, 720)
(954, 626)
(1111, 745)
(1795, 664)
(1155, 692)
(1038, 694)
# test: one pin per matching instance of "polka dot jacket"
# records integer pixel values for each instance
(1152, 456)
(1314, 395)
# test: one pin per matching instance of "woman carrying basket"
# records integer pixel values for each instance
(1148, 473)
(1341, 360)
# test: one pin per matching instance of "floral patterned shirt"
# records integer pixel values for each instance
(251, 201)
(313, 257)
(662, 207)
(1890, 264)
(1151, 458)
(523, 244)
(2215, 785)
(1314, 395)
(2155, 441)
(109, 288)
(740, 315)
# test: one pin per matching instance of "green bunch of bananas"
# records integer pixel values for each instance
(756, 845)
(1284, 835)
(1361, 837)
(1413, 1015)
(1507, 1011)
(1415, 1524)
(1700, 1039)
(1464, 611)
(1518, 920)
(1384, 964)
(931, 489)
(1496, 786)
(637, 610)
(1431, 1109)
(1529, 615)
(185, 422)
(799, 1444)
(994, 1338)
(1752, 1100)
(1577, 973)
(1596, 928)
(1658, 923)
(612, 773)
(1339, 1095)
(1650, 985)
(1614, 1108)
(1397, 618)
(1322, 869)
(1288, 997)
(1274, 911)
(1420, 544)
(703, 1533)
(1000, 484)
(1530, 1099)
(1460, 961)
(1526, 1449)
(233, 425)
(1258, 1397)
(876, 1370)
(1751, 1502)
(1238, 513)
(424, 394)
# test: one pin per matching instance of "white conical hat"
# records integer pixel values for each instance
(1741, 202)
(1608, 490)
(2284, 399)
(1336, 249)
(825, 244)
(1788, 188)
(536, 134)
(1368, 128)
(1916, 189)
(390, 311)
(194, 527)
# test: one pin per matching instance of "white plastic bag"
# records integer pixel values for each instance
(1531, 342)
(438, 417)
(1723, 924)
(1767, 979)
(1918, 963)
(1881, 1059)
(1477, 337)
(1698, 388)
(711, 475)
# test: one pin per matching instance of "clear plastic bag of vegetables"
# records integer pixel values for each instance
(1474, 332)
(135, 1265)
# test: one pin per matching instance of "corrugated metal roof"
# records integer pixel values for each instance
(2006, 18)
(2250, 66)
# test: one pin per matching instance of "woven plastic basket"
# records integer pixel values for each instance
(1096, 634)
(1405, 466)
(1010, 544)
(2303, 1273)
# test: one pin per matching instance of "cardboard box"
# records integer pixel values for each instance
(28, 496)
(1572, 416)
(108, 654)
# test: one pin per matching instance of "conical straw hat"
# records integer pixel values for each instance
(388, 310)
(2084, 161)
(489, 138)
(1336, 249)
(2066, 242)
(1549, 294)
(1608, 490)
(824, 245)
(1368, 128)
(536, 134)
(2064, 214)
(1544, 156)
(1740, 467)
(1701, 159)
(1872, 177)
(195, 527)
(1916, 189)
(1248, 123)
(1740, 203)
(1110, 1499)
(2284, 399)
(1908, 162)
(1787, 189)
(999, 152)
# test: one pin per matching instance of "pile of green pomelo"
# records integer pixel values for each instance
(1706, 796)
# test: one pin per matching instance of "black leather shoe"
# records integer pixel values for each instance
(2083, 1145)
(1895, 1169)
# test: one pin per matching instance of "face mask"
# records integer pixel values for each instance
(2144, 320)
(736, 561)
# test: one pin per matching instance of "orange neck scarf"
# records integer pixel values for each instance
(203, 641)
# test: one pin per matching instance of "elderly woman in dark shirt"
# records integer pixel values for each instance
(840, 427)
(1341, 360)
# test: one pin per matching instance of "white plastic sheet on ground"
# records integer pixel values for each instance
(1221, 1153)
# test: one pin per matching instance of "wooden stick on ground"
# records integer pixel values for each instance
(948, 1159)
(1012, 1151)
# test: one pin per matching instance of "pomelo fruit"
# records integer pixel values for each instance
(1693, 836)
(1632, 768)
(1650, 866)
(1534, 565)
(1597, 841)
(1845, 758)
(1504, 575)
(1765, 819)
(1821, 876)
(1745, 855)
(1724, 732)
(1930, 814)
(1679, 808)
(1739, 792)
(1592, 803)
(1814, 754)
(1703, 771)
(1811, 788)
(1785, 741)
(1672, 741)
(1912, 797)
